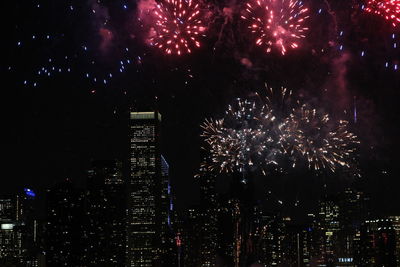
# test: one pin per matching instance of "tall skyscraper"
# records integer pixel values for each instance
(396, 226)
(147, 220)
(19, 229)
(209, 218)
(378, 243)
(105, 207)
(63, 229)
(328, 228)
(10, 235)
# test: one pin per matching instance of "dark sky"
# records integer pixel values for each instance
(79, 112)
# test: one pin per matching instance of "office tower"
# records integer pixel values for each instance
(105, 207)
(28, 220)
(269, 245)
(378, 243)
(232, 234)
(328, 228)
(396, 226)
(19, 229)
(192, 236)
(10, 235)
(63, 229)
(147, 218)
(208, 214)
(353, 206)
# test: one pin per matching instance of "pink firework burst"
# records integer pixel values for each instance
(276, 23)
(178, 26)
(389, 9)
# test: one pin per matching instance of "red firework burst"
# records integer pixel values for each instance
(276, 23)
(389, 9)
(178, 26)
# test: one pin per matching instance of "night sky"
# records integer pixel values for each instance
(75, 68)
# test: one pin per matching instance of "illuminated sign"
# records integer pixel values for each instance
(345, 259)
(7, 226)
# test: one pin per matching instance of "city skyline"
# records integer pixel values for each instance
(200, 133)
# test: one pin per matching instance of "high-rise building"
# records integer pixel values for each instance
(353, 206)
(192, 237)
(396, 226)
(147, 212)
(209, 219)
(19, 229)
(105, 207)
(378, 243)
(29, 226)
(328, 228)
(63, 229)
(10, 235)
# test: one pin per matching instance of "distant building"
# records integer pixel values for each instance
(105, 206)
(191, 241)
(328, 229)
(10, 235)
(378, 243)
(19, 242)
(209, 219)
(147, 211)
(354, 210)
(396, 226)
(64, 225)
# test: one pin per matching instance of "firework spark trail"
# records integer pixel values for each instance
(254, 135)
(389, 9)
(276, 23)
(178, 26)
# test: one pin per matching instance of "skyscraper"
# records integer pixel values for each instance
(10, 236)
(147, 211)
(19, 229)
(105, 214)
(396, 226)
(63, 229)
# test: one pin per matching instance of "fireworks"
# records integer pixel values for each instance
(261, 135)
(241, 140)
(276, 23)
(178, 26)
(310, 136)
(389, 9)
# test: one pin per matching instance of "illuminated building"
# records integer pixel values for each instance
(105, 214)
(353, 212)
(147, 212)
(328, 228)
(208, 213)
(63, 228)
(396, 226)
(192, 237)
(270, 243)
(10, 236)
(19, 229)
(378, 243)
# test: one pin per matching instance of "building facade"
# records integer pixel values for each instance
(148, 205)
(105, 207)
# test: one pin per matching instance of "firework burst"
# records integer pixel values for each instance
(310, 136)
(242, 140)
(276, 23)
(265, 134)
(178, 26)
(389, 9)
